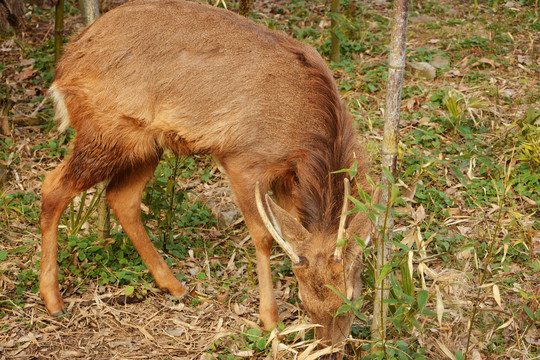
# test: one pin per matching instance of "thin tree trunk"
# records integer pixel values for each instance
(244, 7)
(90, 9)
(104, 219)
(58, 30)
(389, 160)
(334, 47)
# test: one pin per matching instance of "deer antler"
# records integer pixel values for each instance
(273, 227)
(338, 253)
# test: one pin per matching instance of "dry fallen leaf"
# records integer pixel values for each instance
(176, 332)
(243, 353)
(497, 295)
(25, 74)
(26, 62)
(419, 214)
(440, 306)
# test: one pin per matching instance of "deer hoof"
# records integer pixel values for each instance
(59, 313)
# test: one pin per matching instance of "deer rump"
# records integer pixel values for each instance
(151, 75)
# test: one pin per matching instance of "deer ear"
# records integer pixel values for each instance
(285, 230)
(291, 230)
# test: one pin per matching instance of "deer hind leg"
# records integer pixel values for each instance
(124, 194)
(58, 189)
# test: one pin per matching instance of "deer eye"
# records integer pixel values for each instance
(302, 263)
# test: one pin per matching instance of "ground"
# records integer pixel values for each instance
(467, 222)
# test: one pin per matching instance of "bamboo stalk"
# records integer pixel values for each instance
(243, 8)
(389, 161)
(58, 30)
(90, 10)
(104, 218)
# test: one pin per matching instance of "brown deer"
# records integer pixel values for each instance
(196, 79)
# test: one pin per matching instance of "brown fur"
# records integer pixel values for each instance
(151, 75)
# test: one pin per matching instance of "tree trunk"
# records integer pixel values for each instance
(90, 10)
(12, 13)
(389, 160)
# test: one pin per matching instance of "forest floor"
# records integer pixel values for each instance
(467, 214)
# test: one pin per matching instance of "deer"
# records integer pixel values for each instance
(153, 75)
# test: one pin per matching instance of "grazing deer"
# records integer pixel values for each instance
(195, 79)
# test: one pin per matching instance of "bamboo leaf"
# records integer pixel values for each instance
(343, 309)
(445, 350)
(406, 279)
(341, 242)
(506, 324)
(422, 299)
(401, 246)
(528, 311)
(385, 270)
(457, 173)
(394, 194)
(296, 328)
(347, 301)
(388, 175)
(410, 262)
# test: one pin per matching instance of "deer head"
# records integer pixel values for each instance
(319, 263)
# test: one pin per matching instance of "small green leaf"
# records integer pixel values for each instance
(3, 255)
(528, 311)
(401, 246)
(388, 175)
(359, 205)
(253, 332)
(128, 290)
(347, 301)
(370, 181)
(385, 270)
(360, 242)
(341, 242)
(201, 276)
(343, 309)
(406, 279)
(422, 298)
(457, 173)
(394, 194)
(261, 344)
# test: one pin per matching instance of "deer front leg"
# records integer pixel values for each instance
(268, 305)
(243, 185)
